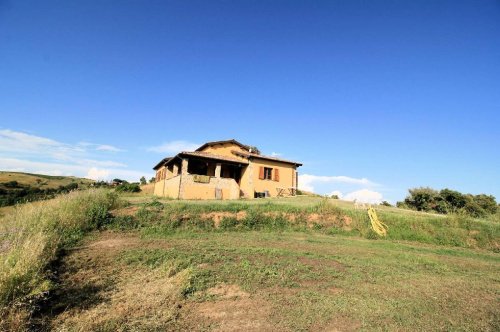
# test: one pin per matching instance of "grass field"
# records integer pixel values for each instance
(299, 264)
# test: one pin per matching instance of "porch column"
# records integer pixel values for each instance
(296, 180)
(217, 170)
(184, 167)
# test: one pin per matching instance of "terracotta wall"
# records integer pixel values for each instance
(286, 176)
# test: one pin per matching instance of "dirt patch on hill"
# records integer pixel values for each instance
(339, 324)
(126, 211)
(217, 217)
(322, 263)
(4, 246)
(240, 313)
(111, 241)
(224, 291)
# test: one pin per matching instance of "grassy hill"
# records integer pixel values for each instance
(40, 180)
(16, 187)
(288, 264)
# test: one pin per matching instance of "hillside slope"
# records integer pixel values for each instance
(40, 180)
(16, 187)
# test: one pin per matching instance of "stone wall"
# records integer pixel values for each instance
(194, 190)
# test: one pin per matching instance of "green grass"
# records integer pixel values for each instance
(332, 217)
(312, 280)
(312, 263)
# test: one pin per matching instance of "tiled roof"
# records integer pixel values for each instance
(246, 147)
(162, 162)
(259, 156)
(213, 156)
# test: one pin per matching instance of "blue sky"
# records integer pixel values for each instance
(374, 97)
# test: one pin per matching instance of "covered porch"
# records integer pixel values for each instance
(196, 175)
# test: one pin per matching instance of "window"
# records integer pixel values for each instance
(268, 173)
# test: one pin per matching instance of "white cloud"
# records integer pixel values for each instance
(101, 163)
(108, 148)
(25, 152)
(22, 143)
(275, 154)
(54, 172)
(26, 144)
(174, 147)
(51, 168)
(97, 174)
(365, 196)
(55, 168)
(307, 181)
(336, 192)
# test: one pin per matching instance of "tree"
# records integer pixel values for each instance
(449, 201)
(153, 179)
(453, 199)
(254, 149)
(143, 180)
(421, 199)
(486, 202)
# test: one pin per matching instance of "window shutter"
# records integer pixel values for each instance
(261, 173)
(276, 174)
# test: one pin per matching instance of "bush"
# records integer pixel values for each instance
(228, 223)
(422, 199)
(122, 223)
(128, 187)
(449, 201)
(486, 202)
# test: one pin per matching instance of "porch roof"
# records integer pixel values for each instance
(162, 162)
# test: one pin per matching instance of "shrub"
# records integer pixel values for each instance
(228, 223)
(421, 199)
(122, 223)
(449, 201)
(486, 202)
(128, 187)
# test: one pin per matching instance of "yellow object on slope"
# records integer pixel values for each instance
(379, 227)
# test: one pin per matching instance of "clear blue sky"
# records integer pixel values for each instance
(401, 93)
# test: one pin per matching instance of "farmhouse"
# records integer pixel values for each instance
(225, 170)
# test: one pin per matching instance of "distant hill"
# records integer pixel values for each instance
(17, 187)
(41, 181)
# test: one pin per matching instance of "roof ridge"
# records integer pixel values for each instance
(222, 142)
(255, 155)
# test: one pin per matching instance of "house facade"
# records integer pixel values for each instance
(225, 170)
